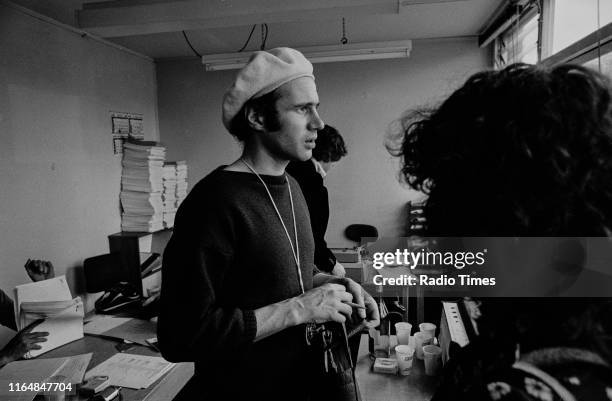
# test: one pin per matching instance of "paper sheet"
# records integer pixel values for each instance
(74, 368)
(134, 330)
(64, 370)
(55, 289)
(132, 371)
(103, 323)
(62, 327)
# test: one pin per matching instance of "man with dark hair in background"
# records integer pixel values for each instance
(239, 288)
(309, 174)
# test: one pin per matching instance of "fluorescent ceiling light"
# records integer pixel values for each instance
(320, 54)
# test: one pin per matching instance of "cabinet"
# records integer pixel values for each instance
(129, 245)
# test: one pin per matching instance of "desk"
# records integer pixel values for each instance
(384, 387)
(164, 389)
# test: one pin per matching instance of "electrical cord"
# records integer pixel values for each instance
(189, 43)
(248, 39)
(264, 36)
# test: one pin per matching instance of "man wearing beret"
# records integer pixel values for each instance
(239, 282)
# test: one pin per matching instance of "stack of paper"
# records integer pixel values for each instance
(181, 181)
(142, 186)
(68, 370)
(131, 371)
(50, 300)
(169, 194)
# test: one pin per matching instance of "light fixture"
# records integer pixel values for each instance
(320, 54)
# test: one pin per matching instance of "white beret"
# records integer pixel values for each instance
(264, 72)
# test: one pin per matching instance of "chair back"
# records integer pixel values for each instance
(355, 232)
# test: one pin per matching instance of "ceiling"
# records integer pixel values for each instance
(154, 27)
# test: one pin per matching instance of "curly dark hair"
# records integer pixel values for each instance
(522, 151)
(330, 146)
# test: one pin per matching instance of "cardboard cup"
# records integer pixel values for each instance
(433, 359)
(404, 355)
(403, 332)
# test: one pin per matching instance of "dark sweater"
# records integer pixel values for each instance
(228, 256)
(317, 200)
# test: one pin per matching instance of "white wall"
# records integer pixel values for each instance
(361, 99)
(60, 181)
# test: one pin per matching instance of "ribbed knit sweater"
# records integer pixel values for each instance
(228, 256)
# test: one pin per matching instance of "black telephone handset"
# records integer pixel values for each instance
(120, 295)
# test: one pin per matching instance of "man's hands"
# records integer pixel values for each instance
(327, 301)
(338, 270)
(39, 270)
(23, 342)
(324, 304)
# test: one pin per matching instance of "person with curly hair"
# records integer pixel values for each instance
(521, 152)
(528, 149)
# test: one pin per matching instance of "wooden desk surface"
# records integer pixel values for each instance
(384, 387)
(164, 389)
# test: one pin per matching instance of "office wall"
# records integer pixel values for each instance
(360, 98)
(59, 195)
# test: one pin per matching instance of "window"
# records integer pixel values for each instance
(519, 43)
(602, 64)
(572, 20)
(581, 33)
(552, 32)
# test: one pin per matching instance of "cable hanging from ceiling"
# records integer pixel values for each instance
(264, 37)
(189, 43)
(343, 39)
(248, 39)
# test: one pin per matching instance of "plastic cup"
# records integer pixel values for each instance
(412, 342)
(404, 355)
(433, 359)
(392, 342)
(420, 340)
(428, 328)
(403, 332)
(382, 349)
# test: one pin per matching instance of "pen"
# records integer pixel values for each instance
(354, 305)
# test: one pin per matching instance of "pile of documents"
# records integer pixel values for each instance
(142, 186)
(175, 189)
(50, 300)
(131, 371)
(68, 371)
(181, 181)
(169, 194)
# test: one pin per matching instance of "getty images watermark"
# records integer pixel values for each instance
(491, 266)
(421, 258)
